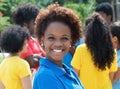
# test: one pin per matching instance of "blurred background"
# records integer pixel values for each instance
(83, 8)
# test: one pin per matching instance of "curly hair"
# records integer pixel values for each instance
(12, 39)
(25, 13)
(56, 13)
(115, 30)
(106, 8)
(98, 41)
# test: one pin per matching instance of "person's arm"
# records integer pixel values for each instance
(1, 85)
(114, 69)
(77, 71)
(111, 75)
(33, 61)
(29, 54)
(115, 76)
(26, 82)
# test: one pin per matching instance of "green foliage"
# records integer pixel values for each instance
(1, 59)
(4, 22)
(2, 56)
(45, 3)
(77, 1)
(6, 8)
(82, 10)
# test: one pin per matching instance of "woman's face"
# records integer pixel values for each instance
(30, 26)
(57, 41)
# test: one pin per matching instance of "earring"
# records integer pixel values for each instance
(41, 44)
(70, 46)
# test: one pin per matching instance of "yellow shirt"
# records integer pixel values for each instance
(90, 76)
(12, 69)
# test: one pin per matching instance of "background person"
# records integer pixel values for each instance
(95, 61)
(25, 16)
(106, 10)
(14, 72)
(115, 30)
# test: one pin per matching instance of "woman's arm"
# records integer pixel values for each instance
(114, 76)
(77, 71)
(33, 63)
(1, 85)
(26, 82)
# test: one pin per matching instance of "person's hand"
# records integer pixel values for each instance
(37, 56)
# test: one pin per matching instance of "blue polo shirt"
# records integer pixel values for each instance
(50, 76)
(67, 59)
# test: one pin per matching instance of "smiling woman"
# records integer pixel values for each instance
(57, 43)
(57, 28)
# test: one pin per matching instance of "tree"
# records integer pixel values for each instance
(83, 10)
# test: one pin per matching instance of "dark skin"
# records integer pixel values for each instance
(1, 85)
(33, 60)
(72, 50)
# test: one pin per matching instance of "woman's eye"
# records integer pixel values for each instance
(64, 39)
(51, 38)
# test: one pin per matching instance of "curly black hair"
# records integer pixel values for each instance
(98, 40)
(25, 13)
(106, 8)
(12, 39)
(115, 30)
(56, 13)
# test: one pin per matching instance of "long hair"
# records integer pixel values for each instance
(98, 41)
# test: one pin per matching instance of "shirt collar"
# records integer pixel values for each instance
(46, 62)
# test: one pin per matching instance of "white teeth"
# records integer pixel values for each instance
(57, 50)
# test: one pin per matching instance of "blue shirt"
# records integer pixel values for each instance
(116, 85)
(50, 76)
(79, 42)
(67, 59)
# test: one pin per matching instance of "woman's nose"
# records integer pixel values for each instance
(58, 42)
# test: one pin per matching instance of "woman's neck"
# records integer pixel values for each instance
(14, 54)
(58, 63)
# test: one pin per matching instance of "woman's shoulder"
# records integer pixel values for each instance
(44, 71)
(82, 47)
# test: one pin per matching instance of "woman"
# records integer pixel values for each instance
(57, 29)
(115, 30)
(95, 60)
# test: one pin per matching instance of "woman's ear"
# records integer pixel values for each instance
(42, 41)
(25, 25)
(115, 39)
(115, 42)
